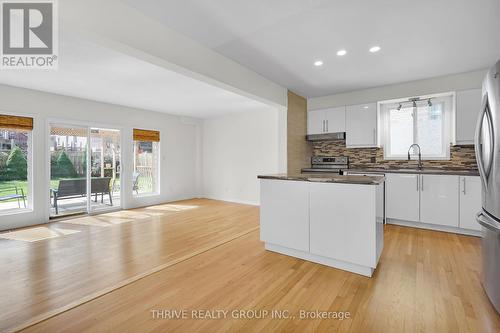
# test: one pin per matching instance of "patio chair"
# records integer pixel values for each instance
(10, 195)
(135, 182)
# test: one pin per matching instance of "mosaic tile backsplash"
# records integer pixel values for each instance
(462, 157)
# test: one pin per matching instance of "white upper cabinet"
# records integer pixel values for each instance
(470, 202)
(335, 119)
(402, 195)
(323, 121)
(468, 105)
(361, 125)
(316, 122)
(439, 200)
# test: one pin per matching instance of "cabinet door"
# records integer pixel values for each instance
(339, 215)
(361, 125)
(402, 194)
(335, 119)
(284, 213)
(468, 106)
(470, 202)
(316, 123)
(439, 200)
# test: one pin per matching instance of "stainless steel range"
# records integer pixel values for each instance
(335, 164)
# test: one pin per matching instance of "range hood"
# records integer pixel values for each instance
(326, 136)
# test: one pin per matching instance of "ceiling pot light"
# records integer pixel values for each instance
(341, 52)
(318, 63)
(365, 107)
(374, 49)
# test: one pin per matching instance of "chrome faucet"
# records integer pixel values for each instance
(419, 155)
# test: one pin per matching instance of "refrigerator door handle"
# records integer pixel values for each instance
(484, 172)
(487, 222)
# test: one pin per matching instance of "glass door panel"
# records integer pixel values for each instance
(68, 170)
(105, 157)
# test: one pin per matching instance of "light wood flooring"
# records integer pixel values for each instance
(426, 281)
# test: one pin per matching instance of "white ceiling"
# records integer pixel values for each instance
(281, 39)
(89, 71)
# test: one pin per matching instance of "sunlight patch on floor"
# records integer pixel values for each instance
(37, 234)
(172, 208)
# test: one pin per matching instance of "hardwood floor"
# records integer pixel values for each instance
(426, 281)
(43, 278)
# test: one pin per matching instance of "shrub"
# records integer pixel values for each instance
(16, 167)
(64, 167)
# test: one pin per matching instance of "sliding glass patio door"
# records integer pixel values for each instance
(68, 170)
(84, 169)
(105, 172)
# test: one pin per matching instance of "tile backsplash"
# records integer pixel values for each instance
(462, 157)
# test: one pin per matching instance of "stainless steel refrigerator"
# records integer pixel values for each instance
(487, 145)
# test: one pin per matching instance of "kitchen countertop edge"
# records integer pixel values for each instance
(338, 179)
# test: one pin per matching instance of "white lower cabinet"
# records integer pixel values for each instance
(470, 202)
(286, 203)
(439, 200)
(336, 220)
(402, 195)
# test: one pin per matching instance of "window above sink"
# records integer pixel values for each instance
(425, 120)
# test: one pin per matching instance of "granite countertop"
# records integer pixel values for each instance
(328, 178)
(428, 171)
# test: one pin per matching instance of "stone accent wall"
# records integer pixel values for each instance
(298, 149)
(462, 157)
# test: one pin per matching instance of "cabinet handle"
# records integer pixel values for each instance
(374, 136)
(422, 178)
(418, 181)
(327, 129)
(464, 191)
(324, 127)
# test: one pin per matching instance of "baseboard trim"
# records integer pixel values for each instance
(243, 202)
(343, 265)
(434, 227)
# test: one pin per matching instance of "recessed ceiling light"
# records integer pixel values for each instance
(341, 52)
(365, 107)
(318, 63)
(374, 49)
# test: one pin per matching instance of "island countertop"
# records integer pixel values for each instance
(327, 178)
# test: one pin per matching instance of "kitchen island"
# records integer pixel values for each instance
(334, 220)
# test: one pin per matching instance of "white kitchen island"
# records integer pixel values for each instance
(335, 221)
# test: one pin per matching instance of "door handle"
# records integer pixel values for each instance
(484, 172)
(487, 222)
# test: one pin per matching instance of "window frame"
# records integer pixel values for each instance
(29, 176)
(447, 130)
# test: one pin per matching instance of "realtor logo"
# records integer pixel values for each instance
(29, 38)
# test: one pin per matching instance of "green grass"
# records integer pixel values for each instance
(8, 187)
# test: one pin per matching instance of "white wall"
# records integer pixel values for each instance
(237, 148)
(447, 83)
(179, 146)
